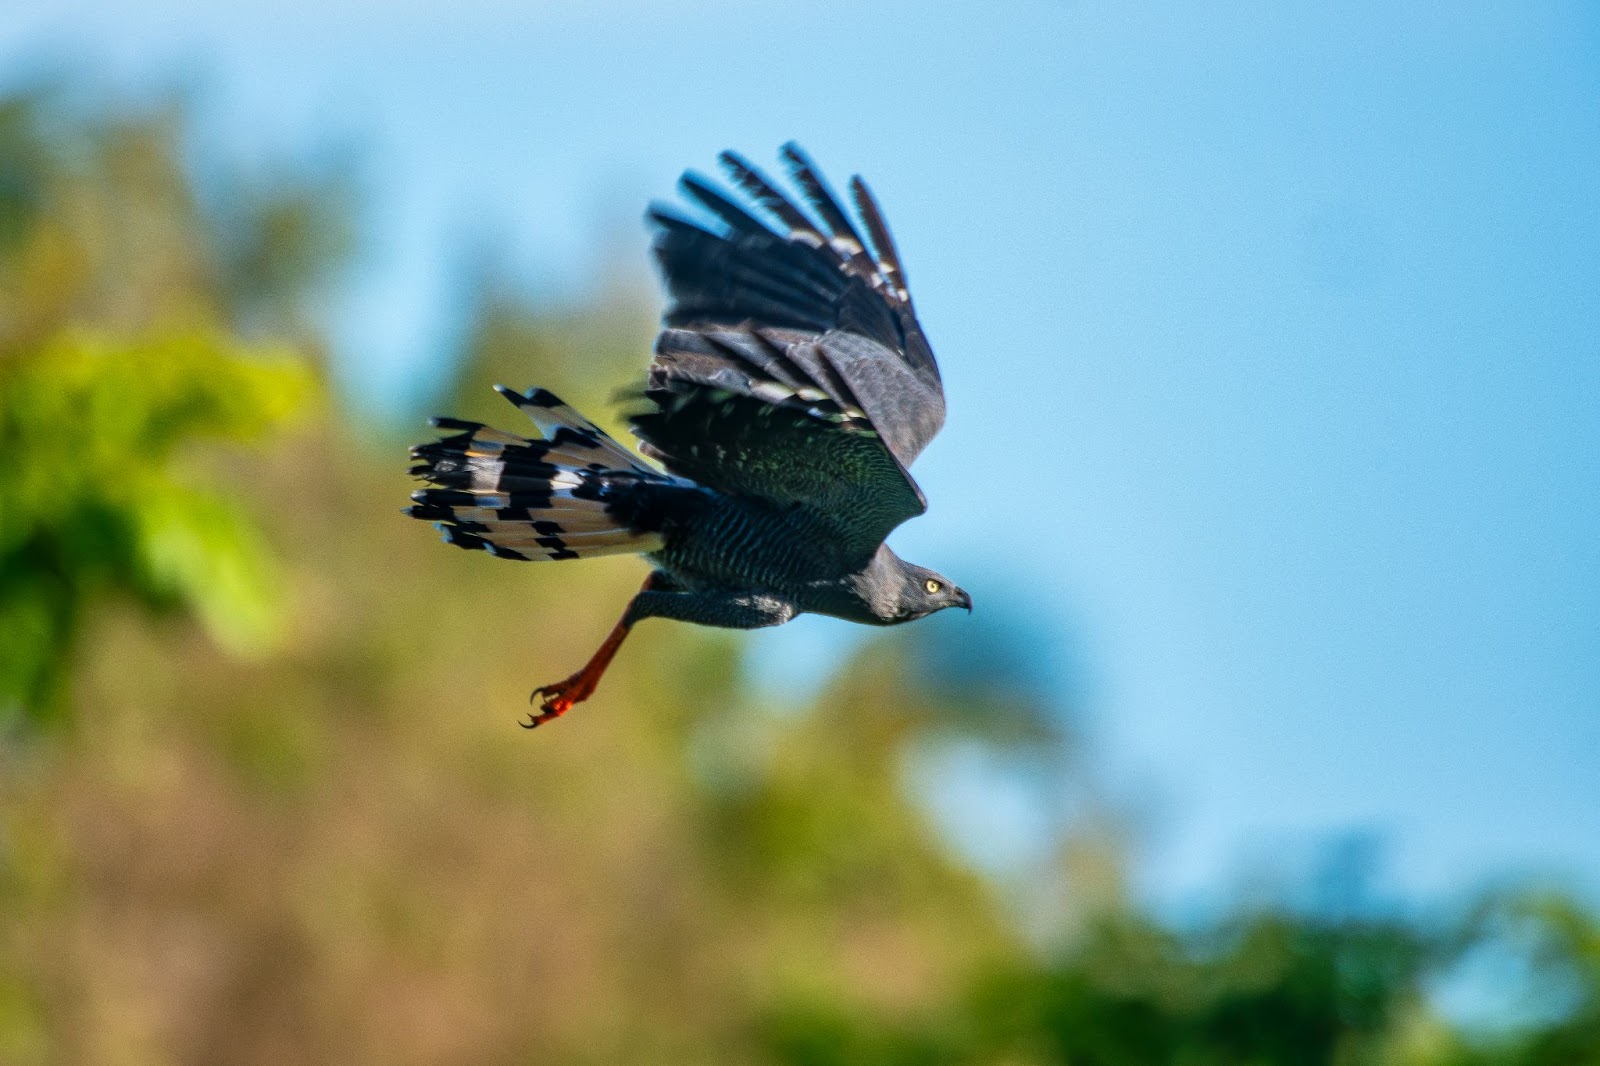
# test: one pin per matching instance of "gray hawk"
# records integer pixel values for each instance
(790, 390)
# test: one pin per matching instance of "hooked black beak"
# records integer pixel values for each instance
(965, 600)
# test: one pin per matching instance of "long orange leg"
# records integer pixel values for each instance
(557, 699)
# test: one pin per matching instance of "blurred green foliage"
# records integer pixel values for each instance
(116, 357)
(339, 849)
(96, 503)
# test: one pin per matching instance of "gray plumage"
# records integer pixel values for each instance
(791, 389)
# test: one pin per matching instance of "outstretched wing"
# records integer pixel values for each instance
(792, 366)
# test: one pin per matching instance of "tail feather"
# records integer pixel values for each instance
(542, 520)
(526, 548)
(573, 494)
(570, 434)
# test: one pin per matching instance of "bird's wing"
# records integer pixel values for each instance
(792, 366)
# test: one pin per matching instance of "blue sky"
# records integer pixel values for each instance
(1271, 333)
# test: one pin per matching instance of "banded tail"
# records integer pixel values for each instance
(573, 494)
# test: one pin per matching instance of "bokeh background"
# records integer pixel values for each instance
(1272, 341)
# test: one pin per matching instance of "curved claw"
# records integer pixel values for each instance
(557, 700)
(539, 718)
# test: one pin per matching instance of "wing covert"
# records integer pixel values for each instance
(792, 447)
(792, 366)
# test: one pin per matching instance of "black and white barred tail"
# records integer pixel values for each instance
(573, 494)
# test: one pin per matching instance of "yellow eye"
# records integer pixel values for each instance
(931, 585)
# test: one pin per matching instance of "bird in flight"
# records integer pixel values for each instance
(790, 390)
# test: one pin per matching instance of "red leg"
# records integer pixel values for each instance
(557, 699)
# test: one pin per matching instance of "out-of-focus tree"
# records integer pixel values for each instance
(1556, 1015)
(98, 502)
(1266, 986)
(120, 291)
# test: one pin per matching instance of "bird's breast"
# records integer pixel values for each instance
(748, 543)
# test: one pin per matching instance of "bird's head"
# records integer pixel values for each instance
(889, 591)
(921, 592)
